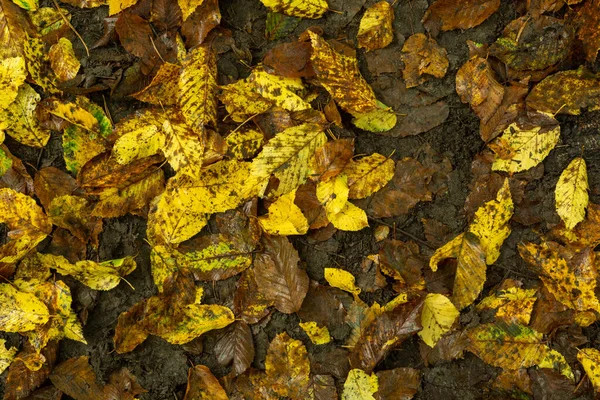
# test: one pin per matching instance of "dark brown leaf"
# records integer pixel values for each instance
(109, 35)
(136, 36)
(330, 362)
(331, 159)
(402, 258)
(477, 85)
(325, 306)
(513, 382)
(278, 276)
(550, 384)
(388, 331)
(166, 15)
(290, 59)
(513, 103)
(398, 384)
(458, 14)
(436, 233)
(417, 120)
(51, 182)
(203, 385)
(548, 313)
(16, 177)
(422, 56)
(46, 393)
(235, 344)
(587, 20)
(20, 381)
(198, 25)
(448, 348)
(313, 210)
(324, 387)
(122, 385)
(76, 378)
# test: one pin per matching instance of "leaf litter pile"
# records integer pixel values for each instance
(299, 199)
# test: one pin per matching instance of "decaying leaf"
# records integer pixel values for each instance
(244, 144)
(437, 318)
(19, 121)
(375, 30)
(21, 311)
(12, 75)
(197, 88)
(298, 8)
(63, 60)
(381, 119)
(513, 304)
(571, 193)
(6, 355)
(368, 175)
(422, 55)
(590, 359)
(287, 367)
(235, 345)
(477, 85)
(398, 383)
(202, 385)
(360, 386)
(585, 234)
(587, 20)
(458, 14)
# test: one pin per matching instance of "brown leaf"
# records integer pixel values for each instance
(109, 35)
(550, 384)
(199, 24)
(403, 192)
(16, 177)
(398, 384)
(76, 378)
(325, 306)
(476, 85)
(388, 330)
(420, 119)
(587, 19)
(122, 385)
(290, 59)
(20, 381)
(235, 345)
(323, 387)
(51, 182)
(136, 36)
(250, 305)
(253, 385)
(203, 385)
(458, 14)
(513, 382)
(46, 393)
(422, 55)
(313, 210)
(66, 245)
(513, 103)
(278, 276)
(436, 233)
(330, 362)
(331, 159)
(548, 313)
(332, 113)
(585, 234)
(448, 348)
(166, 15)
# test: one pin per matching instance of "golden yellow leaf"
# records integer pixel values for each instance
(288, 156)
(74, 213)
(198, 319)
(333, 194)
(280, 90)
(19, 119)
(6, 355)
(360, 386)
(184, 146)
(12, 75)
(37, 59)
(98, 276)
(116, 6)
(341, 279)
(369, 174)
(287, 366)
(188, 7)
(570, 277)
(27, 223)
(491, 223)
(241, 102)
(20, 312)
(74, 113)
(571, 194)
(139, 143)
(317, 334)
(63, 60)
(48, 19)
(164, 88)
(197, 88)
(29, 5)
(437, 318)
(5, 160)
(513, 346)
(590, 359)
(244, 144)
(284, 218)
(339, 74)
(350, 218)
(470, 269)
(375, 30)
(527, 145)
(298, 8)
(380, 119)
(513, 304)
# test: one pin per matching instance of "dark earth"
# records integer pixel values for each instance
(162, 368)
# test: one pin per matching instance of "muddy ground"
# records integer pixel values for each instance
(161, 367)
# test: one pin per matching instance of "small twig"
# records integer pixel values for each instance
(155, 49)
(87, 51)
(396, 229)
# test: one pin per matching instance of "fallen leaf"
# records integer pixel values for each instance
(197, 88)
(584, 234)
(298, 8)
(244, 144)
(114, 6)
(341, 279)
(63, 60)
(282, 91)
(317, 334)
(331, 159)
(22, 311)
(38, 64)
(278, 276)
(20, 380)
(513, 382)
(15, 31)
(590, 359)
(571, 194)
(279, 25)
(235, 345)
(368, 175)
(290, 60)
(6, 355)
(586, 18)
(459, 14)
(200, 23)
(203, 385)
(360, 386)
(164, 88)
(122, 385)
(375, 30)
(287, 367)
(513, 304)
(76, 378)
(398, 383)
(284, 217)
(18, 119)
(437, 318)
(12, 75)
(477, 85)
(249, 303)
(422, 55)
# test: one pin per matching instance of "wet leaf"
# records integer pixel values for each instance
(19, 120)
(284, 218)
(203, 385)
(331, 159)
(122, 385)
(188, 7)
(298, 8)
(164, 88)
(360, 386)
(585, 234)
(368, 175)
(515, 346)
(287, 367)
(235, 345)
(422, 55)
(571, 194)
(282, 91)
(586, 19)
(76, 378)
(21, 311)
(242, 102)
(291, 60)
(12, 75)
(381, 119)
(38, 64)
(249, 303)
(16, 176)
(375, 30)
(50, 182)
(20, 380)
(459, 14)
(63, 60)
(477, 85)
(341, 279)
(279, 25)
(437, 318)
(278, 276)
(398, 383)
(13, 32)
(590, 359)
(200, 23)
(342, 214)
(197, 88)
(470, 269)
(75, 214)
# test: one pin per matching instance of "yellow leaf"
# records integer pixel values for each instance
(437, 318)
(74, 213)
(244, 144)
(63, 60)
(116, 6)
(360, 386)
(470, 269)
(27, 225)
(350, 218)
(164, 88)
(184, 146)
(571, 278)
(197, 88)
(369, 174)
(590, 359)
(20, 121)
(491, 223)
(527, 145)
(375, 30)
(298, 8)
(12, 75)
(316, 333)
(341, 279)
(514, 305)
(29, 5)
(380, 119)
(143, 142)
(6, 355)
(278, 89)
(333, 194)
(513, 347)
(241, 102)
(48, 19)
(288, 156)
(287, 367)
(571, 194)
(5, 161)
(198, 319)
(20, 312)
(171, 220)
(188, 7)
(73, 113)
(98, 276)
(37, 59)
(284, 218)
(339, 74)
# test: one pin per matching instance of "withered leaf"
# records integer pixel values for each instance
(287, 367)
(477, 85)
(16, 176)
(585, 234)
(235, 345)
(422, 55)
(290, 59)
(199, 24)
(458, 14)
(50, 182)
(375, 30)
(587, 19)
(76, 378)
(122, 385)
(278, 275)
(398, 383)
(21, 381)
(203, 385)
(135, 34)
